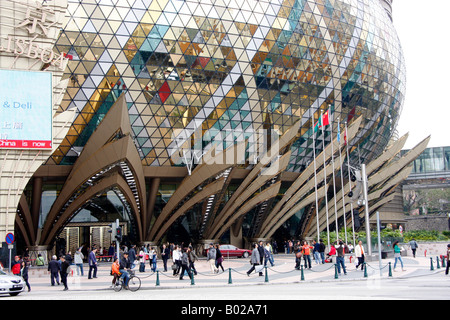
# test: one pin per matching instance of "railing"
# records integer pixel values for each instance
(440, 262)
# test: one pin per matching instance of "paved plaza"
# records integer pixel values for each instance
(235, 276)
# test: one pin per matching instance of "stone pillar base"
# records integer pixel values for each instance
(34, 251)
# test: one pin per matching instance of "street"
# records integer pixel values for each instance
(428, 287)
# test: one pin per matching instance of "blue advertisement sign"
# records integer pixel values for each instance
(26, 109)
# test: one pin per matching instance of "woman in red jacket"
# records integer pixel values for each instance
(331, 254)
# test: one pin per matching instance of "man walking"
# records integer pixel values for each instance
(53, 267)
(340, 260)
(64, 271)
(185, 264)
(192, 258)
(359, 253)
(413, 244)
(92, 264)
(255, 260)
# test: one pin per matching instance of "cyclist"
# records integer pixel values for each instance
(123, 267)
(115, 271)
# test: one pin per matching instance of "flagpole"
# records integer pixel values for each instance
(315, 176)
(325, 177)
(342, 180)
(350, 186)
(334, 178)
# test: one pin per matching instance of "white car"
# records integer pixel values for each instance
(11, 284)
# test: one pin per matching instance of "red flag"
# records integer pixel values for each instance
(68, 56)
(351, 114)
(345, 135)
(325, 119)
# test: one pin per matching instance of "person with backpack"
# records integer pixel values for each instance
(39, 261)
(413, 245)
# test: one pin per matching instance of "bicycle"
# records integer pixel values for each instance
(134, 283)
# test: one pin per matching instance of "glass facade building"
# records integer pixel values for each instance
(229, 69)
(157, 84)
(433, 161)
(427, 189)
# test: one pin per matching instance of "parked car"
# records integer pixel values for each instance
(230, 251)
(11, 284)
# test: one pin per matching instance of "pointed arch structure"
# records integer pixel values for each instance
(109, 159)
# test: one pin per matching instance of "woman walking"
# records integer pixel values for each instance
(397, 255)
(24, 273)
(142, 258)
(255, 260)
(219, 259)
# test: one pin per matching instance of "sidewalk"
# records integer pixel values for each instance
(282, 272)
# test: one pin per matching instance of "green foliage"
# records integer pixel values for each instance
(424, 235)
(324, 236)
(389, 234)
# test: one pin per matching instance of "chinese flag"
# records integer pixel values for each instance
(325, 119)
(68, 56)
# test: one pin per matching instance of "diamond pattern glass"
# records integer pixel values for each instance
(228, 68)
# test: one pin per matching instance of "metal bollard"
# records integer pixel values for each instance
(432, 268)
(266, 278)
(192, 279)
(365, 270)
(335, 272)
(229, 276)
(157, 277)
(390, 269)
(302, 276)
(437, 263)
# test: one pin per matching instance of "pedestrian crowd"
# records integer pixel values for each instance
(183, 258)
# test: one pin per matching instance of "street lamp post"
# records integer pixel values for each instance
(366, 206)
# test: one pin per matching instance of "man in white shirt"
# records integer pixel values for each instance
(176, 257)
(359, 253)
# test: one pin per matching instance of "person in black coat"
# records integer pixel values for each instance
(261, 252)
(53, 267)
(25, 274)
(64, 271)
(165, 254)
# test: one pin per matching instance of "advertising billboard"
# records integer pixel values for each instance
(25, 109)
